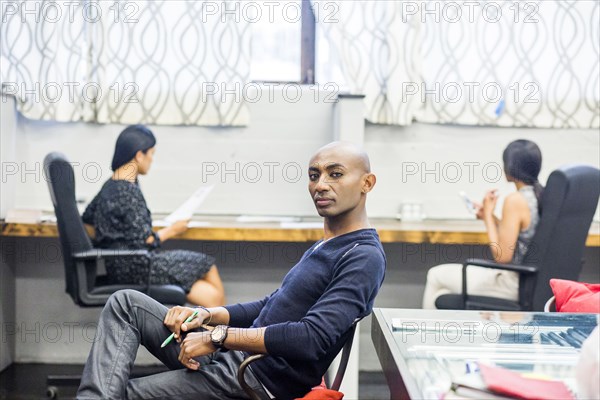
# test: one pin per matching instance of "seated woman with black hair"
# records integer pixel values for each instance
(509, 237)
(122, 220)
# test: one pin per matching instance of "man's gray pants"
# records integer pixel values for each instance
(131, 318)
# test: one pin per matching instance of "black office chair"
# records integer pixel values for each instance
(337, 381)
(568, 205)
(82, 261)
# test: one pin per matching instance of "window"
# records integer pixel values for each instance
(283, 41)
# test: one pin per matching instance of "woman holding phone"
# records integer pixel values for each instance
(121, 220)
(509, 237)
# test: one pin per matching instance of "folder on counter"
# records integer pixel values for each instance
(497, 383)
(509, 383)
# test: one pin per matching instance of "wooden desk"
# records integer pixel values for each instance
(222, 228)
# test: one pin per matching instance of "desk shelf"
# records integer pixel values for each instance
(460, 232)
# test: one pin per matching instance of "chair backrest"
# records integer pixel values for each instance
(568, 205)
(71, 232)
(347, 339)
(339, 376)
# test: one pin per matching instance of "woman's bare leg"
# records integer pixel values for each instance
(208, 291)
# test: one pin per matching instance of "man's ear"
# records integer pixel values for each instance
(369, 181)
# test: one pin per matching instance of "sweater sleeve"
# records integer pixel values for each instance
(350, 294)
(242, 315)
(90, 211)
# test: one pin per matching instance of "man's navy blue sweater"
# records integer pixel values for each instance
(308, 317)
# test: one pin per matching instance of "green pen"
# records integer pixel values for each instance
(172, 335)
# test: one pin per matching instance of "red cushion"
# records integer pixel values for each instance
(576, 297)
(323, 394)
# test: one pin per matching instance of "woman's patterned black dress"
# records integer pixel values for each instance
(122, 221)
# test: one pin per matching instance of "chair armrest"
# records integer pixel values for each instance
(108, 253)
(551, 303)
(522, 269)
(101, 254)
(241, 375)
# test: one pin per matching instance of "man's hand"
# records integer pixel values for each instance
(195, 344)
(176, 316)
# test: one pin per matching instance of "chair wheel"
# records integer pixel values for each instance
(52, 392)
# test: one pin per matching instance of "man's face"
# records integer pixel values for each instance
(335, 183)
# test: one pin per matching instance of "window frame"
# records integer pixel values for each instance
(307, 44)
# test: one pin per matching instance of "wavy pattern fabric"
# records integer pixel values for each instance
(153, 62)
(513, 64)
(30, 44)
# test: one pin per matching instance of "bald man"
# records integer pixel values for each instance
(301, 326)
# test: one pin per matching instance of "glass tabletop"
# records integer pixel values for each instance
(442, 346)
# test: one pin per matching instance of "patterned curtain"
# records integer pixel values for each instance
(43, 60)
(153, 62)
(509, 63)
(377, 53)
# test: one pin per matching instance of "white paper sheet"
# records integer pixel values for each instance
(161, 223)
(23, 216)
(187, 209)
(266, 218)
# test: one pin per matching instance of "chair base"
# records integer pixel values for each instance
(53, 382)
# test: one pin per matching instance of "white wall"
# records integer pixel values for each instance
(431, 163)
(284, 135)
(8, 153)
(277, 143)
(7, 188)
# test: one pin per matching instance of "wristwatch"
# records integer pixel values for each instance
(218, 336)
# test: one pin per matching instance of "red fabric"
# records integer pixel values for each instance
(576, 297)
(504, 381)
(323, 394)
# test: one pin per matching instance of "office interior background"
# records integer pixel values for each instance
(240, 94)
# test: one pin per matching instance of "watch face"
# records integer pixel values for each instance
(218, 334)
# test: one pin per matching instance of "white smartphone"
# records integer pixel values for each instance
(468, 202)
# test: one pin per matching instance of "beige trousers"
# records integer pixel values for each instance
(447, 279)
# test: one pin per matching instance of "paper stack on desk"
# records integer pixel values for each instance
(266, 219)
(23, 216)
